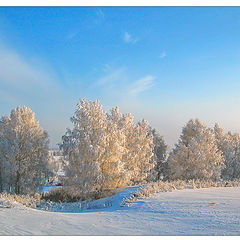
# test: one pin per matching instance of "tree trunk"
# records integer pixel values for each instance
(1, 184)
(17, 184)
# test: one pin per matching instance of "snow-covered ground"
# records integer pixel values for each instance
(212, 211)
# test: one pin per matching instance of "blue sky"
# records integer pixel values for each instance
(164, 64)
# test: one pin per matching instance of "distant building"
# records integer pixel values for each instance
(56, 164)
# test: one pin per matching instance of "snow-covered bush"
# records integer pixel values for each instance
(64, 195)
(11, 200)
(196, 156)
(105, 150)
(23, 152)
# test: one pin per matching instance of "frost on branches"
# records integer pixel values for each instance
(229, 145)
(105, 150)
(84, 148)
(139, 158)
(196, 156)
(23, 152)
(160, 155)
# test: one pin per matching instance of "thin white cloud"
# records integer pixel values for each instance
(100, 14)
(128, 38)
(106, 67)
(117, 83)
(163, 55)
(142, 85)
(97, 18)
(111, 77)
(72, 34)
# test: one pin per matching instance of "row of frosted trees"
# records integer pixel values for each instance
(107, 150)
(205, 153)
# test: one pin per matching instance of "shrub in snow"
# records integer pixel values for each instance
(196, 156)
(10, 200)
(23, 152)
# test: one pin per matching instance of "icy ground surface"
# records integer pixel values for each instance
(212, 211)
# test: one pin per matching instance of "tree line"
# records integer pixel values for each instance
(108, 150)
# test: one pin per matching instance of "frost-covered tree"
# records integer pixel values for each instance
(196, 155)
(113, 167)
(229, 145)
(105, 150)
(160, 155)
(4, 149)
(84, 148)
(129, 150)
(231, 154)
(23, 152)
(139, 158)
(219, 137)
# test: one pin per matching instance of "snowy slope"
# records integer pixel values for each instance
(212, 211)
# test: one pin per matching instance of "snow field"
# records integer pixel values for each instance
(209, 211)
